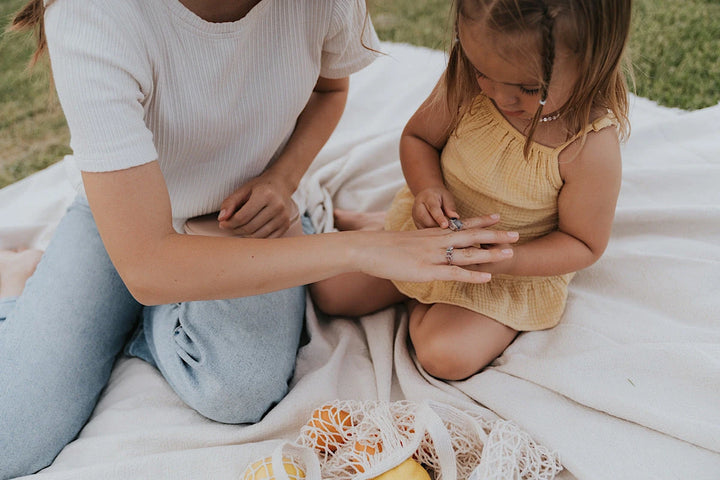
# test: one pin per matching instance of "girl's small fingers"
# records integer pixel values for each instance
(439, 217)
(423, 218)
(449, 207)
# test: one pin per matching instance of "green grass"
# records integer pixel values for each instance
(675, 47)
(675, 44)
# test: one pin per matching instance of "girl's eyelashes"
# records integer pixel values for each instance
(523, 89)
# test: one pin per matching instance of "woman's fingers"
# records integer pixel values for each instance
(481, 222)
(459, 274)
(475, 255)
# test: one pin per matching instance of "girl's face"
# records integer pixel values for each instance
(510, 75)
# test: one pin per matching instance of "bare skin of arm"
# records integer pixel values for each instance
(421, 142)
(586, 203)
(586, 208)
(262, 207)
(133, 214)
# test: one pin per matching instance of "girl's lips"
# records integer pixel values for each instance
(516, 113)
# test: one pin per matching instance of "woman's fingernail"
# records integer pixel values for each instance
(507, 252)
(495, 216)
(513, 235)
(221, 214)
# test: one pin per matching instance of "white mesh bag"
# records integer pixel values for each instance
(361, 440)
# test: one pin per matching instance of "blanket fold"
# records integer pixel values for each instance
(626, 387)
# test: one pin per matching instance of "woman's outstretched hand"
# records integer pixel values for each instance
(436, 253)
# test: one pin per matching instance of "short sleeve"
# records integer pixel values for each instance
(351, 42)
(102, 77)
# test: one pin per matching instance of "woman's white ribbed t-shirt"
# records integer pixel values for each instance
(144, 80)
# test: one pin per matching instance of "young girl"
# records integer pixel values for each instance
(524, 123)
(179, 108)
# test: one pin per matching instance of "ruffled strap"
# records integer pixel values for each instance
(607, 120)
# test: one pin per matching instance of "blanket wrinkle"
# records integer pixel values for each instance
(624, 388)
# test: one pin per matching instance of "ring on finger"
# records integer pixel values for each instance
(455, 224)
(449, 255)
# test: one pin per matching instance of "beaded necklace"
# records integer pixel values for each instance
(550, 118)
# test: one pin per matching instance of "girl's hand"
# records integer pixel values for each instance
(432, 208)
(423, 255)
(261, 208)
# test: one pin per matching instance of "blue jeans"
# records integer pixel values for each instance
(228, 359)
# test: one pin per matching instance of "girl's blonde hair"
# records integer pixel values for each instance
(595, 32)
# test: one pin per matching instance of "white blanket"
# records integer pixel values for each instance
(627, 386)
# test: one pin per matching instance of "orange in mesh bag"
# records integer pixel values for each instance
(406, 440)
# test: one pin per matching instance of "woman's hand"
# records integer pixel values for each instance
(432, 208)
(261, 208)
(425, 255)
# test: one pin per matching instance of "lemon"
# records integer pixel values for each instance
(408, 470)
(263, 470)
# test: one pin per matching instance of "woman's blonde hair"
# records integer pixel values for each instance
(595, 32)
(30, 17)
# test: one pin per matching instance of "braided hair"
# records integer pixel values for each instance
(594, 32)
(547, 61)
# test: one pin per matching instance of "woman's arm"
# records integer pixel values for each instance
(132, 210)
(586, 208)
(262, 207)
(421, 142)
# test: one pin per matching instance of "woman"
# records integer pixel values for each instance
(179, 108)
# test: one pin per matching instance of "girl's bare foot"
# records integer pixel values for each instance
(16, 266)
(350, 220)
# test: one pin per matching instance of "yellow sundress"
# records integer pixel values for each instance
(484, 168)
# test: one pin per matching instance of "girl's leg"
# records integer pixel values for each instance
(350, 220)
(354, 294)
(58, 343)
(231, 360)
(453, 343)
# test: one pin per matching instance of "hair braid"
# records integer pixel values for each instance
(548, 49)
(547, 23)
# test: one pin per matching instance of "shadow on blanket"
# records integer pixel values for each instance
(625, 387)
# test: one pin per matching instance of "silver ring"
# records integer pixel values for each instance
(449, 255)
(455, 224)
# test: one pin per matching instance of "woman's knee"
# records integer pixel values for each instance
(230, 360)
(235, 395)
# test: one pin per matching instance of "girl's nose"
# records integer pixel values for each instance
(501, 94)
(504, 95)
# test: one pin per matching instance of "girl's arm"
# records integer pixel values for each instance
(586, 207)
(421, 142)
(262, 207)
(132, 210)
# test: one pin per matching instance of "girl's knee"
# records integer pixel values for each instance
(440, 358)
